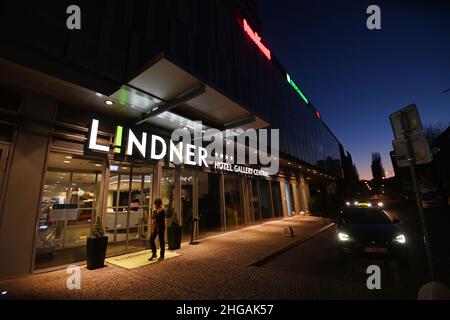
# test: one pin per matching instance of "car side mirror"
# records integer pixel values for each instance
(396, 221)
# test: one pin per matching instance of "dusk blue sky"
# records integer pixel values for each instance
(357, 77)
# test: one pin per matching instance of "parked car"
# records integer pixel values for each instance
(369, 230)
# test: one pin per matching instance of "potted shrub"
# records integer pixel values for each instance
(96, 246)
(174, 232)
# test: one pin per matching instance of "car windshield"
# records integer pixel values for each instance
(363, 216)
(429, 196)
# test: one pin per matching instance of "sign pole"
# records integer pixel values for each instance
(412, 166)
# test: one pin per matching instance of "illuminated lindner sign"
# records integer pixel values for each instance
(181, 153)
(257, 40)
(296, 88)
(156, 148)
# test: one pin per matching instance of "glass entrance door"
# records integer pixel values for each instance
(128, 207)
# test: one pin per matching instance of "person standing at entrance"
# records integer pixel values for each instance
(159, 228)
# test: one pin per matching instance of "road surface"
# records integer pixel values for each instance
(319, 257)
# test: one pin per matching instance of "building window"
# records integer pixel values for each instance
(187, 198)
(209, 204)
(276, 199)
(167, 194)
(69, 204)
(234, 213)
(289, 199)
(265, 199)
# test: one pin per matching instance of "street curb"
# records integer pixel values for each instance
(275, 254)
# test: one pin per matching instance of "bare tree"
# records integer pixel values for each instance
(433, 130)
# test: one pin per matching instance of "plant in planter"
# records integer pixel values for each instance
(96, 246)
(174, 232)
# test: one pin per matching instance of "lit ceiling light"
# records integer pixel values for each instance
(109, 102)
(66, 161)
(68, 157)
(98, 94)
(98, 165)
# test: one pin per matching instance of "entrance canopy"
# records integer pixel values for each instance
(164, 89)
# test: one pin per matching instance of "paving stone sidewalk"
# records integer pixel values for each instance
(220, 267)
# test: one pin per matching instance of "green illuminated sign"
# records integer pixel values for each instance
(292, 83)
(118, 141)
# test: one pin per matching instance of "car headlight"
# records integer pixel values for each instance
(400, 239)
(380, 204)
(343, 236)
(347, 204)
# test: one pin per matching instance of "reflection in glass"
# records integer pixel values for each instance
(265, 201)
(276, 196)
(255, 205)
(68, 205)
(209, 203)
(167, 194)
(289, 199)
(128, 207)
(186, 202)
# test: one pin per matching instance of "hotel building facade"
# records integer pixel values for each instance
(153, 66)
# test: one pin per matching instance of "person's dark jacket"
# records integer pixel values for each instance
(159, 219)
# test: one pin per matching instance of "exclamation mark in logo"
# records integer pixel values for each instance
(118, 139)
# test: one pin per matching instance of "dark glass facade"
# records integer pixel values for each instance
(120, 38)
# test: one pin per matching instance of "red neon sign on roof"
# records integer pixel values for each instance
(256, 39)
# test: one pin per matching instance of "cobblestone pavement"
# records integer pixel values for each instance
(220, 267)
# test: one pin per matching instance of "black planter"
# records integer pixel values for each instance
(96, 252)
(174, 237)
